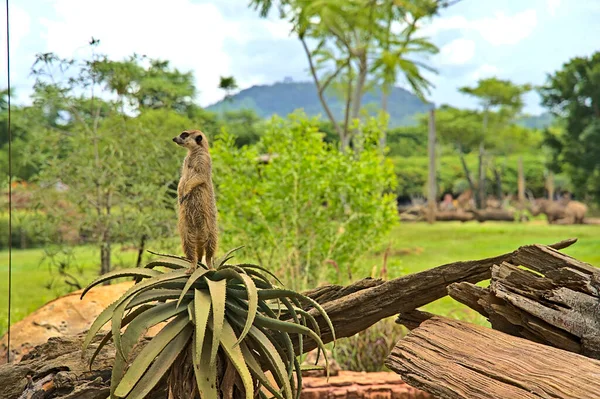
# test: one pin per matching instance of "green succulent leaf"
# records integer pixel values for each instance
(197, 274)
(229, 343)
(161, 365)
(141, 324)
(202, 306)
(128, 319)
(206, 376)
(274, 362)
(150, 352)
(217, 295)
(133, 272)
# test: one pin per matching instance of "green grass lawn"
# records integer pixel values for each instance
(414, 247)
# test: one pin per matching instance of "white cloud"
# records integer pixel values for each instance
(498, 30)
(191, 36)
(505, 29)
(457, 52)
(553, 6)
(20, 24)
(484, 71)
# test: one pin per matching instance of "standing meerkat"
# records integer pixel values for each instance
(195, 193)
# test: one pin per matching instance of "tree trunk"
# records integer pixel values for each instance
(357, 96)
(480, 198)
(452, 359)
(557, 307)
(550, 186)
(384, 106)
(463, 162)
(141, 250)
(431, 181)
(105, 254)
(521, 184)
(498, 178)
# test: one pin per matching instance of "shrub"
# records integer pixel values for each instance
(309, 203)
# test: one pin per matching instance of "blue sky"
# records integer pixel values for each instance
(520, 40)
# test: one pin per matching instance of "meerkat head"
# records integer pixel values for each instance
(191, 139)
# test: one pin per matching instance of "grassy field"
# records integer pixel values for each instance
(413, 247)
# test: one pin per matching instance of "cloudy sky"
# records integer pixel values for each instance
(521, 40)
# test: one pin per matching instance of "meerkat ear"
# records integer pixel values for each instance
(198, 139)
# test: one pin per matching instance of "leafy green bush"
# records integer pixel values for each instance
(227, 322)
(308, 203)
(29, 230)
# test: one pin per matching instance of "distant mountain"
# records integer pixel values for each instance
(284, 98)
(537, 121)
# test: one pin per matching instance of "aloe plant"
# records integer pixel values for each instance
(231, 320)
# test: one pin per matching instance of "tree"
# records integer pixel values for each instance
(461, 130)
(289, 211)
(573, 94)
(498, 95)
(356, 45)
(228, 84)
(112, 165)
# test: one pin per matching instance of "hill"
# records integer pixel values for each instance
(537, 121)
(283, 98)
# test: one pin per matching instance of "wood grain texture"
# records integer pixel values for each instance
(452, 359)
(363, 307)
(554, 301)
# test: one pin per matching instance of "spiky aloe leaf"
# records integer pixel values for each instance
(122, 302)
(251, 266)
(202, 307)
(174, 263)
(128, 319)
(226, 257)
(206, 376)
(133, 272)
(141, 324)
(284, 326)
(257, 371)
(192, 279)
(161, 365)
(217, 296)
(274, 362)
(156, 294)
(279, 293)
(150, 352)
(229, 343)
(251, 294)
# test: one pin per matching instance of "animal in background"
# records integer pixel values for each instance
(197, 208)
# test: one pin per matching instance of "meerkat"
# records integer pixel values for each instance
(195, 193)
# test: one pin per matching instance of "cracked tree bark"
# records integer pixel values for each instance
(452, 359)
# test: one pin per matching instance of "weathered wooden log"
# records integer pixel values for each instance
(351, 309)
(56, 369)
(452, 359)
(490, 214)
(359, 310)
(558, 305)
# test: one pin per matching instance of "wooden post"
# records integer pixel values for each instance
(431, 182)
(550, 186)
(521, 184)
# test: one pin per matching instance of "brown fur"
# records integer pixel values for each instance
(197, 207)
(577, 211)
(560, 212)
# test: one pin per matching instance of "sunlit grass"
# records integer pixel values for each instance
(413, 247)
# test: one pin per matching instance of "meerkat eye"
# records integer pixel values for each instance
(198, 139)
(184, 135)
